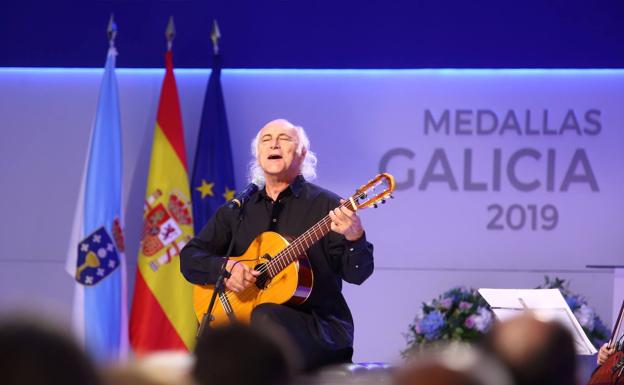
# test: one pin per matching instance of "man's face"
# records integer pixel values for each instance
(277, 146)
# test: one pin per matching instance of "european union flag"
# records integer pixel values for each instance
(213, 173)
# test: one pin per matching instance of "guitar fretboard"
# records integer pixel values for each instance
(302, 243)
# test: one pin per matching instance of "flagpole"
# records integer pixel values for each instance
(111, 31)
(215, 35)
(162, 316)
(207, 317)
(170, 33)
(100, 288)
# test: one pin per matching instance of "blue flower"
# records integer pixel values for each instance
(432, 324)
(572, 301)
(454, 294)
(600, 327)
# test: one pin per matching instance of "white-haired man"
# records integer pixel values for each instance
(322, 327)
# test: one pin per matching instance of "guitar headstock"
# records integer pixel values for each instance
(375, 191)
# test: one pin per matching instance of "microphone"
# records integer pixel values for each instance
(241, 198)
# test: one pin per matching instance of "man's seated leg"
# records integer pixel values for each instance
(303, 331)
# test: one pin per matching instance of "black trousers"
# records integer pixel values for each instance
(296, 324)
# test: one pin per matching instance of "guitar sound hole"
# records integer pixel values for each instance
(263, 279)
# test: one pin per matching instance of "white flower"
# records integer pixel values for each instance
(585, 316)
(419, 315)
(483, 319)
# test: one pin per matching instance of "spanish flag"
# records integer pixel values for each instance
(162, 315)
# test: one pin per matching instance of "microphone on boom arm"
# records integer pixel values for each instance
(241, 198)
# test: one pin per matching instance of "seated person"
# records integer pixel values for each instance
(321, 328)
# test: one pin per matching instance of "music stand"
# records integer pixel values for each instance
(544, 304)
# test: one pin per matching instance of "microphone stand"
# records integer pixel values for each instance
(219, 285)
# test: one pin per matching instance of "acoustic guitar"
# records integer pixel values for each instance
(286, 274)
(611, 371)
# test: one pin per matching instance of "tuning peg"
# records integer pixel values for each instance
(375, 205)
(391, 196)
(383, 201)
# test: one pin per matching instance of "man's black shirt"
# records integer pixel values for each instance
(333, 258)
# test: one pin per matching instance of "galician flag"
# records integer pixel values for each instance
(162, 315)
(96, 253)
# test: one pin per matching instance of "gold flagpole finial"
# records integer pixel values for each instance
(111, 30)
(170, 33)
(215, 35)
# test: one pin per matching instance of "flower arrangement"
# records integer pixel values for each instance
(460, 314)
(593, 326)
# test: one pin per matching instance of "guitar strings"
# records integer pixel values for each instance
(277, 260)
(286, 253)
(319, 225)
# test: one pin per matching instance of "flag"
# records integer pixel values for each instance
(162, 316)
(96, 258)
(213, 173)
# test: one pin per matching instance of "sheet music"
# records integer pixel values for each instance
(545, 304)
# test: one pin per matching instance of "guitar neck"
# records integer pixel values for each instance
(302, 243)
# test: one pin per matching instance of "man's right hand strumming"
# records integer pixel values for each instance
(241, 276)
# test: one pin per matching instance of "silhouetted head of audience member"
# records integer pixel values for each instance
(434, 374)
(32, 353)
(156, 368)
(536, 352)
(452, 364)
(238, 355)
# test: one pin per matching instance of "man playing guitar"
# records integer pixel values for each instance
(320, 325)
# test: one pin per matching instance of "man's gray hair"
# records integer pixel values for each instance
(308, 166)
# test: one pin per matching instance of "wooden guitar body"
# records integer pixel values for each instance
(293, 284)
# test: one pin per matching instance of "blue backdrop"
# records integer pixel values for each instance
(320, 33)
